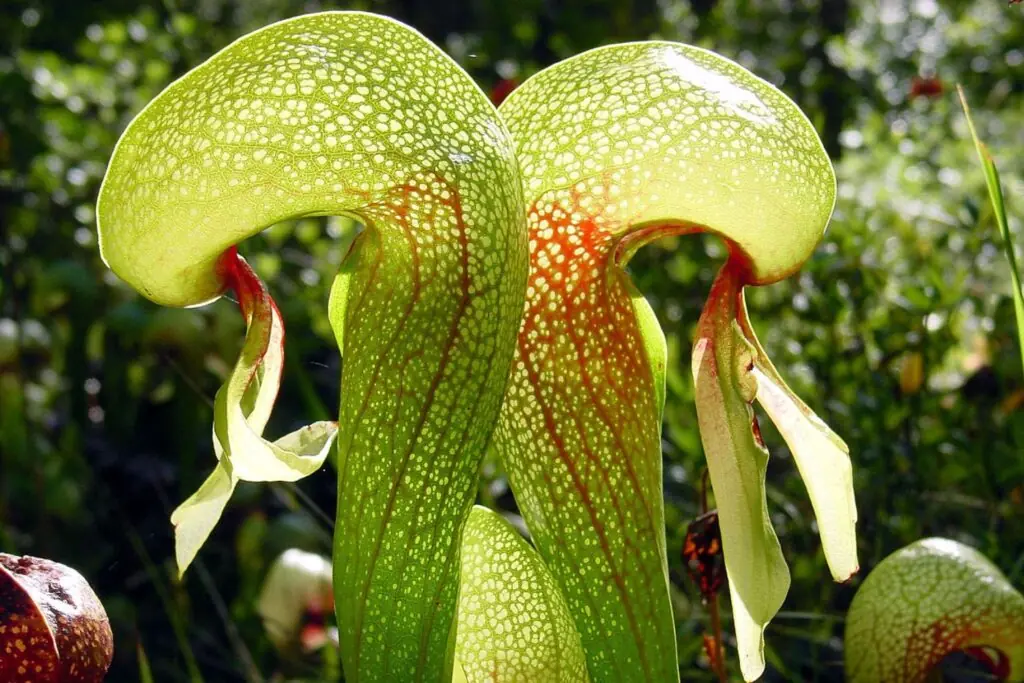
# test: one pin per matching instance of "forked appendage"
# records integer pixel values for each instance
(241, 410)
(730, 371)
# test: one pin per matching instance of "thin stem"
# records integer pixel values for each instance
(716, 631)
(252, 673)
(245, 660)
(718, 656)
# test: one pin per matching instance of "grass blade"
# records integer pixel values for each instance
(995, 195)
(178, 625)
(145, 673)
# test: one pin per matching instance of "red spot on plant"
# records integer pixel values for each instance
(315, 632)
(53, 628)
(755, 427)
(926, 86)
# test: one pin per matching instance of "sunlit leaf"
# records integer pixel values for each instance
(194, 519)
(821, 456)
(826, 470)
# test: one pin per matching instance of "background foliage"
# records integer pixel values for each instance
(899, 330)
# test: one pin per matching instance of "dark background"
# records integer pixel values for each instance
(899, 331)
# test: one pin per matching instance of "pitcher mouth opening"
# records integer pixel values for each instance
(995, 660)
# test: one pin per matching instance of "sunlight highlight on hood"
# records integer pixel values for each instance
(739, 99)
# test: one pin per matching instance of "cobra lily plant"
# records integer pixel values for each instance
(618, 147)
(343, 113)
(487, 297)
(927, 600)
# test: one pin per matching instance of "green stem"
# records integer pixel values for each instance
(170, 609)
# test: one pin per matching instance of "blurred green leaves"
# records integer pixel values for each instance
(909, 266)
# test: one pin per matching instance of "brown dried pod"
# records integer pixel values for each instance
(53, 628)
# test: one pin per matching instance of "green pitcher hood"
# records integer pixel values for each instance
(701, 138)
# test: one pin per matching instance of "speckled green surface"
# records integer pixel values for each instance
(514, 624)
(925, 601)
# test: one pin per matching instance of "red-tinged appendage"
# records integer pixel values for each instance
(722, 307)
(258, 308)
(726, 292)
(238, 276)
(53, 628)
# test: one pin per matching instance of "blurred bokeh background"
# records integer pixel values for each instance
(899, 331)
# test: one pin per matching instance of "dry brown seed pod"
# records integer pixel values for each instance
(53, 628)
